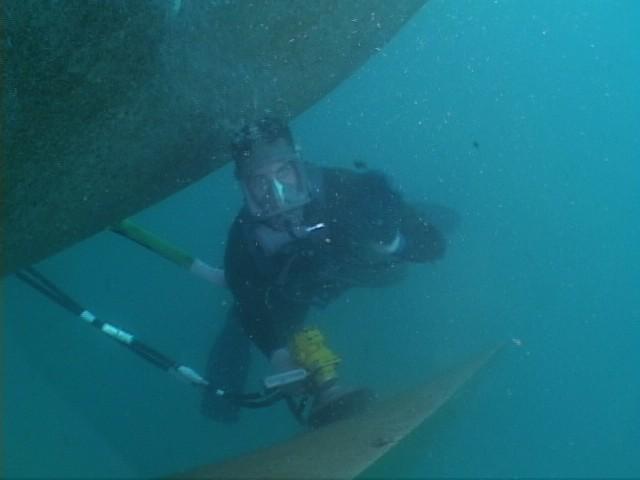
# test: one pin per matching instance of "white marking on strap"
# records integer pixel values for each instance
(117, 333)
(191, 375)
(87, 316)
(315, 227)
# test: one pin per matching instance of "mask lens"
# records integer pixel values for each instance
(260, 186)
(277, 191)
(287, 174)
(261, 190)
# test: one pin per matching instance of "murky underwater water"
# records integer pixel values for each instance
(523, 116)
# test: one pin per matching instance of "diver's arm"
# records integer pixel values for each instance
(365, 207)
(378, 218)
(422, 241)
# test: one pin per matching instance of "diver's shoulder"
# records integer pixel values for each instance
(341, 178)
(336, 176)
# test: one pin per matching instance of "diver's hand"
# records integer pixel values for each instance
(281, 362)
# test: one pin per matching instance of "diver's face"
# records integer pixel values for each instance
(274, 183)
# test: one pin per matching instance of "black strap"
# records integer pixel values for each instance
(39, 282)
(45, 286)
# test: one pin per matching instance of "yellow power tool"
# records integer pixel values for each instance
(309, 350)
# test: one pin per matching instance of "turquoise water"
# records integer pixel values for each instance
(524, 116)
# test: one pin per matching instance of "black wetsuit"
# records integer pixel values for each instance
(275, 276)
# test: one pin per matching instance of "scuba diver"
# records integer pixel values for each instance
(304, 235)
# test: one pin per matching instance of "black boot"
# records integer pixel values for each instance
(227, 369)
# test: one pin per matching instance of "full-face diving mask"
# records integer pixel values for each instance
(276, 187)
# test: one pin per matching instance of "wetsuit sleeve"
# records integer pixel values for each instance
(374, 213)
(365, 209)
(423, 241)
(266, 319)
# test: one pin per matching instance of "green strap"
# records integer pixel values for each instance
(148, 240)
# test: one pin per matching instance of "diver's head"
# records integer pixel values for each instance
(269, 168)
